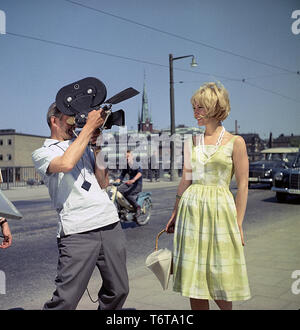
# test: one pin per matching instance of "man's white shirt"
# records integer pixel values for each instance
(79, 210)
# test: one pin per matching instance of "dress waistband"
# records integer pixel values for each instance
(210, 185)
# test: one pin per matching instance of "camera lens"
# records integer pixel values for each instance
(76, 86)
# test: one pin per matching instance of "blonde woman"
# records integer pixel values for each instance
(208, 256)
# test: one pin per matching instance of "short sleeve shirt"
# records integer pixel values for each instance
(132, 172)
(79, 210)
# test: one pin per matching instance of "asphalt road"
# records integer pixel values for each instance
(30, 263)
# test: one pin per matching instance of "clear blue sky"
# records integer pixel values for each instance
(31, 71)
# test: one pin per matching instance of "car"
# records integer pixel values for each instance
(262, 171)
(287, 181)
(272, 160)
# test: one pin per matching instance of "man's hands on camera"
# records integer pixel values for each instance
(95, 136)
(95, 121)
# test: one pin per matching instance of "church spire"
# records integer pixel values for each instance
(145, 109)
(145, 121)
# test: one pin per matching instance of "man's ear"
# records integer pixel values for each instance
(53, 121)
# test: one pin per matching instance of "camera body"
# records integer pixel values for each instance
(81, 97)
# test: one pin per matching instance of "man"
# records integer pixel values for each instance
(134, 185)
(7, 237)
(89, 232)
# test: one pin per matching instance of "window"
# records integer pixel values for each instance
(1, 157)
(1, 142)
(9, 157)
(9, 142)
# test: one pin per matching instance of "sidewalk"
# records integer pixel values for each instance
(272, 255)
(41, 191)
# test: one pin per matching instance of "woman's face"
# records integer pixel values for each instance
(200, 114)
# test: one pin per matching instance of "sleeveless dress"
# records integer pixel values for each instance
(208, 256)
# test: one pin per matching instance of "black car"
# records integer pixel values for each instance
(263, 171)
(287, 181)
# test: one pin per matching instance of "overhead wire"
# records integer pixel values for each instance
(244, 80)
(271, 91)
(90, 50)
(271, 75)
(201, 43)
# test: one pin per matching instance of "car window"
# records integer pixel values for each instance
(297, 163)
(291, 157)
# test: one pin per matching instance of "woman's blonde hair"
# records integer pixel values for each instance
(214, 98)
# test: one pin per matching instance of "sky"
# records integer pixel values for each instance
(249, 46)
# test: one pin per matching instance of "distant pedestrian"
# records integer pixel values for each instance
(89, 231)
(208, 256)
(154, 170)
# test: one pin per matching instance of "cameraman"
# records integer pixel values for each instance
(89, 232)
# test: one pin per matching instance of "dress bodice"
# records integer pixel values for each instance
(215, 166)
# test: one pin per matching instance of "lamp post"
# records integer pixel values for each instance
(173, 175)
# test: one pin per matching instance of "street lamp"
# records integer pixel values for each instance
(172, 107)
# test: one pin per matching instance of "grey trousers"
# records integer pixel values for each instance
(79, 254)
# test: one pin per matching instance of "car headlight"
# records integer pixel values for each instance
(278, 176)
(268, 172)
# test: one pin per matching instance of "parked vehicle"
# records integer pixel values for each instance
(272, 160)
(287, 181)
(126, 210)
(282, 153)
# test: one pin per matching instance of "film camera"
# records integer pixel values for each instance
(81, 97)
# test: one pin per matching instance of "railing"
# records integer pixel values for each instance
(16, 176)
(19, 177)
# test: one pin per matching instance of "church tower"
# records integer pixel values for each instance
(144, 120)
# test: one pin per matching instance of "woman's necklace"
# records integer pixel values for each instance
(216, 145)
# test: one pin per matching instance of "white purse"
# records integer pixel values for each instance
(160, 263)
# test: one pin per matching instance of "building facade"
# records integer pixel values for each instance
(286, 141)
(15, 155)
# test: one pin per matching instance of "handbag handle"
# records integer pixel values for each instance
(157, 237)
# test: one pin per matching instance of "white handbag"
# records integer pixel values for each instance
(160, 263)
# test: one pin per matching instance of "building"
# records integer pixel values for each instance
(254, 145)
(15, 155)
(286, 141)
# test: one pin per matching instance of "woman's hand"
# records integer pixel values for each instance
(171, 224)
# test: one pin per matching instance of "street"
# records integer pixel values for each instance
(30, 263)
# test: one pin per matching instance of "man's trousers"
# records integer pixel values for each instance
(78, 256)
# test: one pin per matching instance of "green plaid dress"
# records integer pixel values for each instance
(208, 256)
